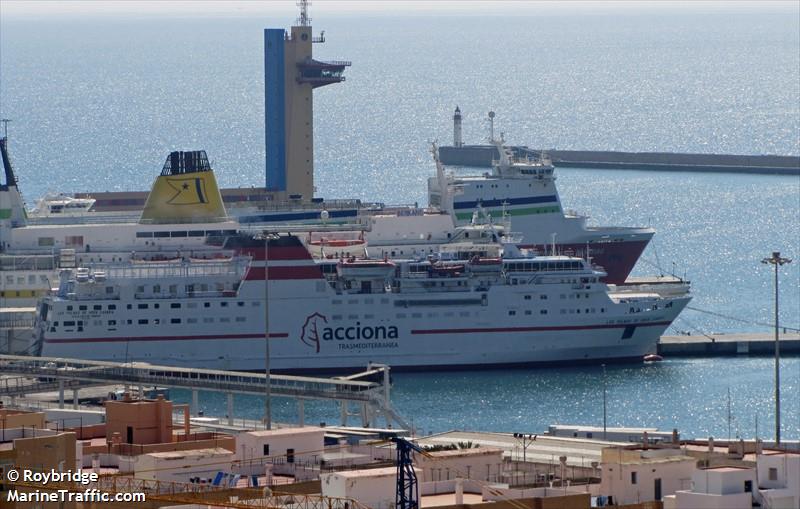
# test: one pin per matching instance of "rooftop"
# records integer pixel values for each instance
(285, 431)
(369, 472)
(176, 455)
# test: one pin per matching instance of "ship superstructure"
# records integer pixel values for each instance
(470, 305)
(525, 190)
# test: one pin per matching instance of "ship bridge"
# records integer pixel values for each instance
(319, 73)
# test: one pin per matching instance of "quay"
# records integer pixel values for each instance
(482, 156)
(710, 345)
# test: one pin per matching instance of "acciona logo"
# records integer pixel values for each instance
(314, 331)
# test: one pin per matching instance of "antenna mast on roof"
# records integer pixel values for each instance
(303, 20)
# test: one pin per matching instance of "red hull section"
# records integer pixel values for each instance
(616, 258)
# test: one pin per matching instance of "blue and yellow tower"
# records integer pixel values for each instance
(290, 76)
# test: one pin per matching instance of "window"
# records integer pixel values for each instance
(142, 306)
(109, 290)
(82, 308)
(223, 304)
(175, 305)
(143, 321)
(175, 320)
(266, 449)
(191, 320)
(512, 313)
(206, 304)
(97, 307)
(112, 323)
(289, 455)
(46, 241)
(633, 478)
(543, 312)
(773, 472)
(69, 308)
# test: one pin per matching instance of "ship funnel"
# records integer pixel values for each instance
(185, 192)
(12, 208)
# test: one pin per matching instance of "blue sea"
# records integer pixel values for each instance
(97, 103)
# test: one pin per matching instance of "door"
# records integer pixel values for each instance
(130, 435)
(657, 488)
(289, 455)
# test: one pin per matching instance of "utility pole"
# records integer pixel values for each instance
(777, 261)
(605, 413)
(267, 377)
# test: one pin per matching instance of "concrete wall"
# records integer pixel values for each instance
(60, 452)
(478, 464)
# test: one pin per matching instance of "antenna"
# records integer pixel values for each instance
(5, 122)
(491, 126)
(303, 20)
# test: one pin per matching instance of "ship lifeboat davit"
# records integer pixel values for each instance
(365, 269)
(486, 264)
(653, 357)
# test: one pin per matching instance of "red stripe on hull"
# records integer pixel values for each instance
(616, 258)
(277, 253)
(168, 338)
(535, 329)
(276, 273)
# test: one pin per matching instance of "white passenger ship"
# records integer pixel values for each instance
(471, 305)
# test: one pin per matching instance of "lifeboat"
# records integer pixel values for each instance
(447, 270)
(328, 247)
(486, 264)
(653, 357)
(365, 269)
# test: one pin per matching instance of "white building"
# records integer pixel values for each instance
(375, 487)
(303, 446)
(716, 488)
(478, 463)
(182, 466)
(631, 475)
(779, 479)
(635, 435)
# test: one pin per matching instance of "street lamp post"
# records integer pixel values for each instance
(267, 367)
(526, 440)
(777, 261)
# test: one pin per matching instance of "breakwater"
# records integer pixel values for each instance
(482, 156)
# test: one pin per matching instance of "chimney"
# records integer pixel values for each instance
(675, 437)
(644, 440)
(710, 444)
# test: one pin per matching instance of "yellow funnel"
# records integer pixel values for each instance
(185, 192)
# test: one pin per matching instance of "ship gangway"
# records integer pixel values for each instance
(40, 374)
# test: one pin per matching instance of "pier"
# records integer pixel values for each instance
(712, 345)
(43, 374)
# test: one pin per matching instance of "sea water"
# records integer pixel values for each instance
(98, 102)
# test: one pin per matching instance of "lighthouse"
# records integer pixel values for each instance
(457, 128)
